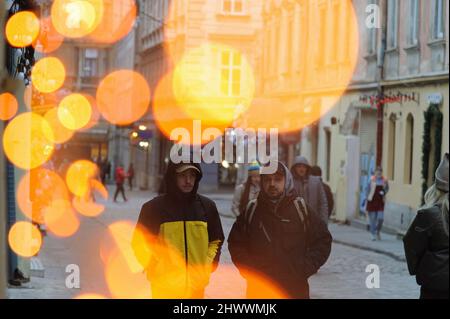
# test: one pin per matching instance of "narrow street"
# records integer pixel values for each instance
(343, 276)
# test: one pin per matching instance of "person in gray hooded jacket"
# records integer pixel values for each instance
(310, 187)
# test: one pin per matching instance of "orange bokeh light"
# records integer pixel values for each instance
(214, 83)
(90, 296)
(79, 176)
(27, 141)
(48, 75)
(123, 97)
(74, 111)
(60, 218)
(169, 115)
(76, 18)
(49, 39)
(25, 239)
(86, 206)
(8, 106)
(37, 190)
(22, 29)
(118, 20)
(95, 114)
(61, 133)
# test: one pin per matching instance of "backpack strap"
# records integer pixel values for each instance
(302, 211)
(250, 212)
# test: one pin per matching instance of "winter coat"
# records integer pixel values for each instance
(191, 226)
(426, 249)
(279, 244)
(311, 189)
(120, 175)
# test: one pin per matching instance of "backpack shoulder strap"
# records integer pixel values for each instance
(302, 211)
(250, 212)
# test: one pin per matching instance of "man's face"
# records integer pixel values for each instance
(301, 170)
(273, 185)
(186, 180)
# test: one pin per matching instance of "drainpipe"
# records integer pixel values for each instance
(379, 78)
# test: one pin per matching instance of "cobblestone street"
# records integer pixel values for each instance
(343, 276)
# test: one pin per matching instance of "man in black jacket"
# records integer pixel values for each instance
(190, 226)
(279, 237)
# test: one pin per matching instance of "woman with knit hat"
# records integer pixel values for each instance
(247, 191)
(426, 242)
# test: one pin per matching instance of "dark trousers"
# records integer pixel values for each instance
(130, 183)
(119, 188)
(432, 294)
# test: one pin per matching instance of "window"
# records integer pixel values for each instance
(392, 29)
(391, 147)
(413, 37)
(322, 36)
(233, 6)
(231, 73)
(372, 36)
(90, 63)
(290, 46)
(335, 33)
(409, 149)
(438, 28)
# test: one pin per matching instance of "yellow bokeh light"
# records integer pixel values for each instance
(22, 29)
(48, 75)
(25, 239)
(79, 176)
(61, 133)
(74, 111)
(210, 92)
(27, 141)
(8, 106)
(76, 18)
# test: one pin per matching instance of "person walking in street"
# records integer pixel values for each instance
(120, 177)
(130, 174)
(426, 242)
(317, 171)
(190, 225)
(378, 188)
(310, 187)
(247, 191)
(280, 237)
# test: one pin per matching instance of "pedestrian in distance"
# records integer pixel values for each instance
(247, 191)
(120, 177)
(317, 171)
(376, 198)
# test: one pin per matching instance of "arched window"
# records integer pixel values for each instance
(409, 149)
(391, 146)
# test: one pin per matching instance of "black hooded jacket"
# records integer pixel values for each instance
(190, 223)
(278, 244)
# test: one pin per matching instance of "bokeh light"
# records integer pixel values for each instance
(123, 97)
(48, 75)
(61, 134)
(86, 205)
(74, 111)
(8, 106)
(60, 218)
(37, 190)
(79, 176)
(49, 40)
(90, 296)
(317, 61)
(214, 83)
(118, 20)
(76, 18)
(95, 114)
(28, 141)
(22, 29)
(169, 115)
(25, 239)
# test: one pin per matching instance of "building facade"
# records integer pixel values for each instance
(170, 29)
(394, 112)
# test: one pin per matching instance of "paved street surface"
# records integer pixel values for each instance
(343, 276)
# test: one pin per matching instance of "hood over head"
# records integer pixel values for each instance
(170, 182)
(289, 189)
